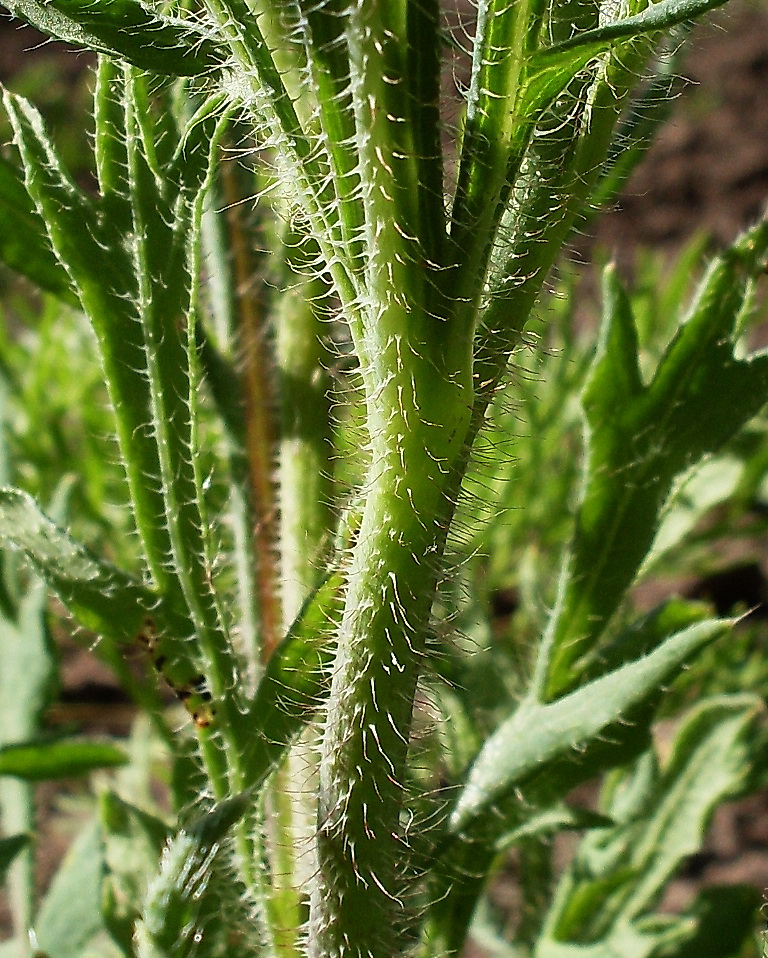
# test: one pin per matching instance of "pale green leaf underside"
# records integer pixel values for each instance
(71, 912)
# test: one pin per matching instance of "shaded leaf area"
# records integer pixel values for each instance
(24, 245)
(9, 849)
(28, 679)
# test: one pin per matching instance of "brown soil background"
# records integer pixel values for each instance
(706, 173)
(708, 170)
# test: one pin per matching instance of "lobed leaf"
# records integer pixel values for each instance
(620, 873)
(642, 437)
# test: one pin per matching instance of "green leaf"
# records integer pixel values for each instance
(82, 233)
(9, 849)
(540, 733)
(296, 679)
(711, 483)
(710, 760)
(629, 941)
(655, 17)
(101, 597)
(642, 437)
(133, 841)
(81, 240)
(620, 873)
(71, 912)
(176, 911)
(163, 257)
(24, 245)
(550, 69)
(37, 761)
(128, 30)
(465, 854)
(558, 818)
(727, 917)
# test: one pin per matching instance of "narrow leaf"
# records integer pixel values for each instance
(296, 679)
(540, 733)
(82, 233)
(71, 912)
(128, 30)
(101, 597)
(36, 762)
(71, 218)
(656, 16)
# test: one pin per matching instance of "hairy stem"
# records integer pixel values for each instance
(418, 418)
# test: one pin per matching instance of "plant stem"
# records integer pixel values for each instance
(305, 463)
(358, 906)
(259, 414)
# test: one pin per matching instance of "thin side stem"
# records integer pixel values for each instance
(259, 409)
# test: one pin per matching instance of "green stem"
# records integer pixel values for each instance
(264, 86)
(306, 450)
(418, 420)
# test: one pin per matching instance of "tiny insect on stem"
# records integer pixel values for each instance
(191, 689)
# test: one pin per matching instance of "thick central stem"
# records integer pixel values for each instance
(418, 414)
